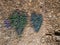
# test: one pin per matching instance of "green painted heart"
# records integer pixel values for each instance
(18, 19)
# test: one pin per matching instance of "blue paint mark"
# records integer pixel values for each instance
(36, 20)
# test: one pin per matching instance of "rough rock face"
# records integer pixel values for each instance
(53, 16)
(49, 33)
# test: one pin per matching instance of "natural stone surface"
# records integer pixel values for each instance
(50, 9)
